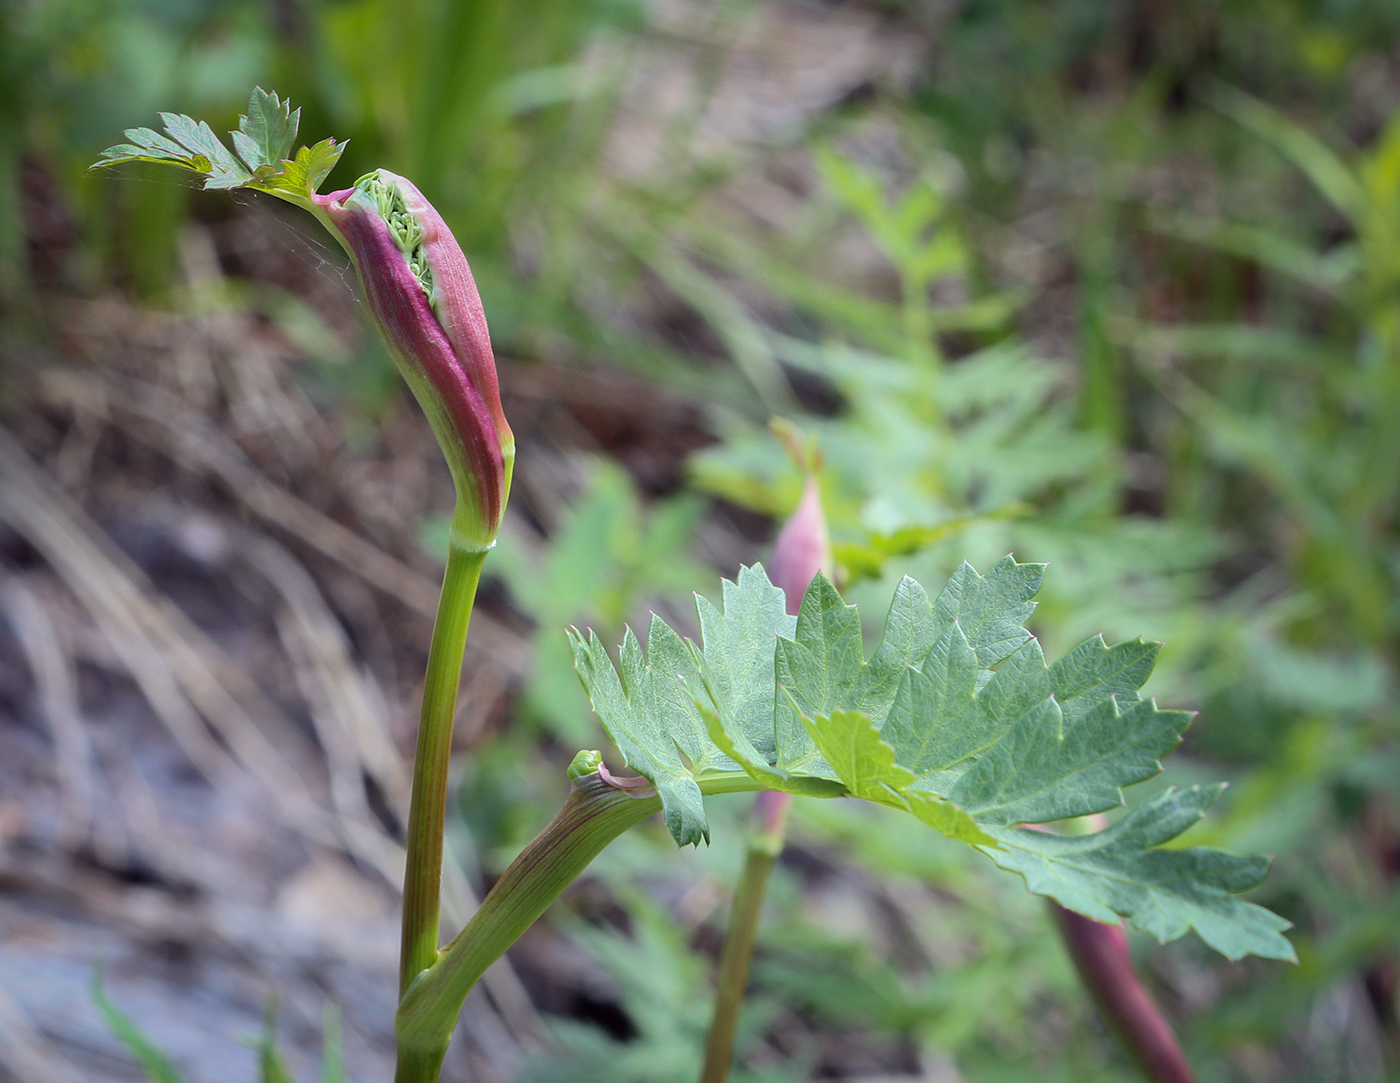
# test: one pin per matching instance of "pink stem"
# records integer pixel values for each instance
(1100, 954)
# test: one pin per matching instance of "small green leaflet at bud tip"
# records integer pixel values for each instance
(263, 142)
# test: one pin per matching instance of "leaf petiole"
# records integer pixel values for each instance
(595, 813)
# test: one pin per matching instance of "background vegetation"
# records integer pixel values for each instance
(1115, 287)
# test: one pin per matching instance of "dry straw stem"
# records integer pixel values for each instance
(347, 707)
(183, 674)
(24, 1054)
(179, 671)
(164, 421)
(129, 608)
(57, 685)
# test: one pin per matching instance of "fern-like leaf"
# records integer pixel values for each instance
(263, 141)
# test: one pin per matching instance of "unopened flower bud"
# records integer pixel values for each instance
(422, 295)
(586, 762)
(801, 549)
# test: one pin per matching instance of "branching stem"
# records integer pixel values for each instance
(595, 813)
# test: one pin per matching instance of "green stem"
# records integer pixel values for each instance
(595, 813)
(422, 886)
(766, 842)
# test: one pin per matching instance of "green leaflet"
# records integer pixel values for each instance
(263, 141)
(266, 133)
(652, 720)
(955, 718)
(308, 169)
(823, 666)
(866, 767)
(1162, 892)
(738, 658)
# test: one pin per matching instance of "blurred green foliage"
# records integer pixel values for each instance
(659, 977)
(157, 1068)
(606, 558)
(1122, 293)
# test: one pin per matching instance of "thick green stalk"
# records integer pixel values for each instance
(422, 886)
(766, 842)
(596, 812)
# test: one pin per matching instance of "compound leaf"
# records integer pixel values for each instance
(956, 719)
(263, 143)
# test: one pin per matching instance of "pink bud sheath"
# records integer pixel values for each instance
(802, 548)
(423, 297)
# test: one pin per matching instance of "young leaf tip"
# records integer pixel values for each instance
(261, 157)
